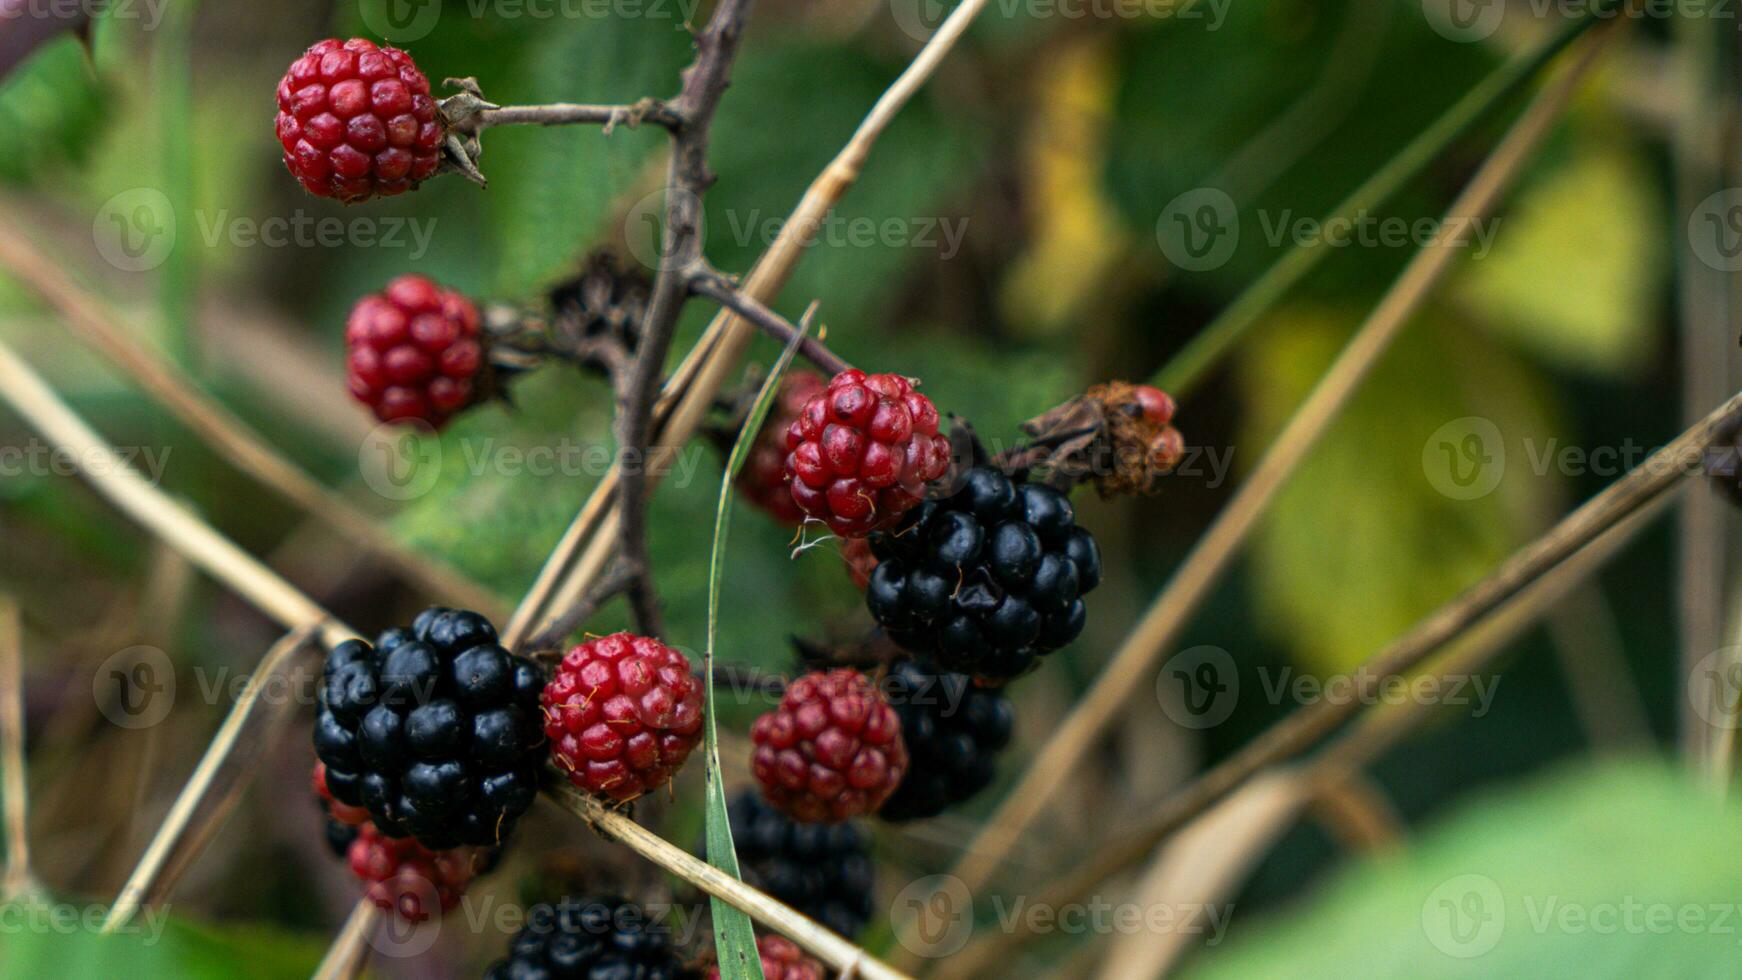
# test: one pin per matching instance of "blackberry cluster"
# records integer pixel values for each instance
(590, 939)
(822, 870)
(987, 580)
(436, 730)
(953, 729)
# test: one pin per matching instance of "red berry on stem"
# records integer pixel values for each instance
(830, 751)
(762, 481)
(622, 714)
(357, 121)
(861, 452)
(415, 351)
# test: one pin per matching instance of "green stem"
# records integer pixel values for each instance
(1191, 364)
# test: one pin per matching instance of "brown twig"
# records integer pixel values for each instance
(160, 866)
(718, 287)
(91, 321)
(1216, 549)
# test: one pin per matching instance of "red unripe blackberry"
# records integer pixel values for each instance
(861, 452)
(405, 877)
(831, 750)
(1156, 404)
(415, 352)
(622, 714)
(762, 481)
(357, 121)
(782, 959)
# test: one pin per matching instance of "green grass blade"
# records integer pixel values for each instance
(734, 939)
(1189, 367)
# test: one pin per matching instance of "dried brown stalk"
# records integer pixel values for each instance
(18, 880)
(215, 786)
(1217, 548)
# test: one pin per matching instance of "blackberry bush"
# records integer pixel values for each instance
(603, 938)
(435, 730)
(987, 580)
(824, 871)
(954, 731)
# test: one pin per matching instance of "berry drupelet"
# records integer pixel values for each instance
(953, 730)
(622, 714)
(357, 121)
(824, 871)
(781, 960)
(861, 452)
(404, 877)
(342, 820)
(435, 730)
(987, 580)
(415, 352)
(590, 939)
(831, 749)
(762, 481)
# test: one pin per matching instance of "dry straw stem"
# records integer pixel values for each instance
(27, 393)
(179, 838)
(1374, 734)
(90, 320)
(587, 546)
(344, 959)
(836, 953)
(31, 397)
(18, 880)
(1125, 674)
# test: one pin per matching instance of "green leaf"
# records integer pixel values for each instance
(1336, 589)
(1578, 263)
(1620, 870)
(61, 940)
(51, 107)
(734, 937)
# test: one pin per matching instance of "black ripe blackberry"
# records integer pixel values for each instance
(954, 731)
(822, 870)
(436, 730)
(986, 580)
(591, 939)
